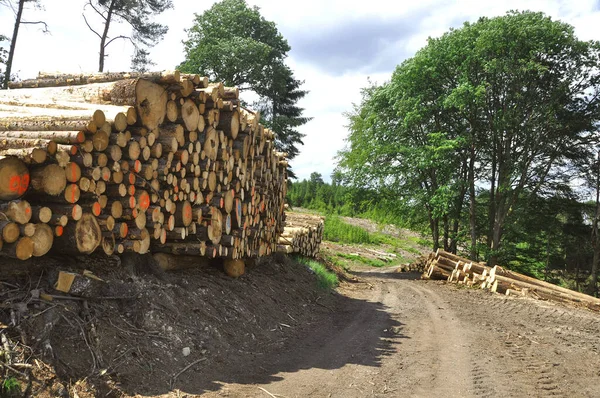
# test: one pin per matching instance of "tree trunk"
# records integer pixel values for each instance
(69, 107)
(446, 232)
(459, 206)
(492, 201)
(18, 211)
(472, 204)
(104, 36)
(13, 43)
(593, 286)
(84, 236)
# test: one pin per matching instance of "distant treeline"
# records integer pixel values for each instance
(546, 237)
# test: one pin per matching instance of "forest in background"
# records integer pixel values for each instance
(486, 140)
(548, 238)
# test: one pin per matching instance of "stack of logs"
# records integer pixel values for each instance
(154, 162)
(450, 267)
(302, 234)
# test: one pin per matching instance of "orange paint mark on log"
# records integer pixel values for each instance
(18, 184)
(137, 166)
(144, 201)
(58, 231)
(73, 172)
(131, 178)
(96, 209)
(131, 202)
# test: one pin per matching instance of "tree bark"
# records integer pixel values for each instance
(13, 43)
(592, 288)
(472, 203)
(104, 36)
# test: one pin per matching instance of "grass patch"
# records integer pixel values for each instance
(325, 278)
(338, 231)
(421, 241)
(367, 261)
(10, 387)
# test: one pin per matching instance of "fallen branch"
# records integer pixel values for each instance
(174, 378)
(9, 367)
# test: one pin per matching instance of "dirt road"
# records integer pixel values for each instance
(393, 335)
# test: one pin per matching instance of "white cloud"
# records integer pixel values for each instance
(71, 47)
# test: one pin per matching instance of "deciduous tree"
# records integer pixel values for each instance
(509, 103)
(233, 43)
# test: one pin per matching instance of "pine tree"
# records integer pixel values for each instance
(144, 32)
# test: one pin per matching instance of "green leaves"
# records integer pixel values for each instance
(3, 58)
(504, 103)
(233, 43)
(136, 13)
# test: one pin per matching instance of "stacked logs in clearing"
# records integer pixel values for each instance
(302, 234)
(154, 162)
(450, 267)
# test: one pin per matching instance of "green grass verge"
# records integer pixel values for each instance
(367, 261)
(10, 387)
(338, 231)
(325, 278)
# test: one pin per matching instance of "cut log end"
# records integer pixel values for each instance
(14, 178)
(234, 268)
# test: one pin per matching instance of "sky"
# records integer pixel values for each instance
(337, 46)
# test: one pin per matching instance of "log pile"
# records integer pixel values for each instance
(153, 162)
(302, 234)
(447, 266)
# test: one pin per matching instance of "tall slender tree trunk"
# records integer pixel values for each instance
(434, 227)
(446, 233)
(104, 36)
(472, 204)
(492, 203)
(500, 213)
(593, 286)
(460, 200)
(13, 43)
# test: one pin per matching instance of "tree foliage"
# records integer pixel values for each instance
(233, 43)
(3, 58)
(136, 13)
(497, 113)
(281, 112)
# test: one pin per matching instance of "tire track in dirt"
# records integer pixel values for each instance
(436, 340)
(450, 363)
(532, 347)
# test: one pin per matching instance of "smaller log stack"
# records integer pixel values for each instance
(447, 266)
(125, 162)
(302, 234)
